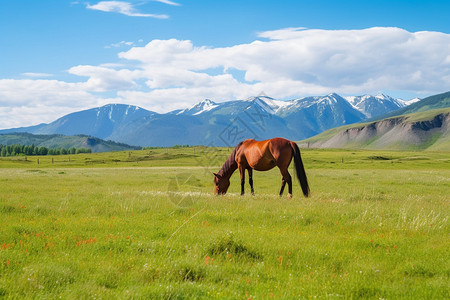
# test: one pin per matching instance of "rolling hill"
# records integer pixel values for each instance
(427, 130)
(63, 141)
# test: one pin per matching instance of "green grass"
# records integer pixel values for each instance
(145, 224)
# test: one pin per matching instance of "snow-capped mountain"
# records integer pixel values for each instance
(311, 115)
(201, 107)
(219, 124)
(409, 102)
(380, 104)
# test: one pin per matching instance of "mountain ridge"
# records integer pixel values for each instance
(211, 123)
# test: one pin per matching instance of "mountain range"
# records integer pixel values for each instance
(220, 124)
(424, 125)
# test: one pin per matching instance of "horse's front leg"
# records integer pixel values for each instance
(242, 172)
(250, 179)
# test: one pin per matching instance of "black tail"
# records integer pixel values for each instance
(301, 175)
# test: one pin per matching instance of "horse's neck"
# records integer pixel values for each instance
(229, 166)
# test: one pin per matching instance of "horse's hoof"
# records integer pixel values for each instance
(290, 196)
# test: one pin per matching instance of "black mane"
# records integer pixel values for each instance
(230, 165)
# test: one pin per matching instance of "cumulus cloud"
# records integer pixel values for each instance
(29, 102)
(102, 79)
(308, 61)
(169, 74)
(124, 8)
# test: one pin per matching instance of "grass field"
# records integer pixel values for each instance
(144, 224)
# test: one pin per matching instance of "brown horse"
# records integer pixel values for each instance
(262, 156)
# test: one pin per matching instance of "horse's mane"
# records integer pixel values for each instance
(230, 165)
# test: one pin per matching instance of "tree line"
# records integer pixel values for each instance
(16, 150)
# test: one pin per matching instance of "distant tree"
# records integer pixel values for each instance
(43, 151)
(16, 149)
(9, 150)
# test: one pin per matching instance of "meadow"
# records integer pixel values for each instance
(145, 224)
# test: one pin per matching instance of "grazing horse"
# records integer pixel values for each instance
(262, 156)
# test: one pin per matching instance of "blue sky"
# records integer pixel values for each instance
(60, 56)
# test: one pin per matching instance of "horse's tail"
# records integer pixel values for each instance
(300, 170)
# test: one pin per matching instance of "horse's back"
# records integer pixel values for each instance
(264, 155)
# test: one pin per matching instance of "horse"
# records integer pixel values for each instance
(262, 156)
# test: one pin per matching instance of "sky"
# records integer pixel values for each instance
(58, 56)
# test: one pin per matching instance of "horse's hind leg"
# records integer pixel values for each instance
(250, 179)
(283, 184)
(286, 179)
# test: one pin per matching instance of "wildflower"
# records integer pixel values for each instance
(6, 246)
(88, 241)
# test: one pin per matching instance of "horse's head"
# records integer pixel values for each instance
(221, 184)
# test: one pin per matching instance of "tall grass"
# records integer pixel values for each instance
(146, 225)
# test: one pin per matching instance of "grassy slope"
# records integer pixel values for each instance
(438, 143)
(105, 226)
(63, 141)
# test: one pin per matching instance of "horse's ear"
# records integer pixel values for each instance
(217, 175)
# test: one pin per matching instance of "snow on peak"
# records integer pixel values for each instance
(201, 107)
(205, 105)
(269, 104)
(409, 102)
(384, 97)
(331, 98)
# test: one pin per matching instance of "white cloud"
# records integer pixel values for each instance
(345, 61)
(169, 74)
(124, 8)
(36, 75)
(121, 44)
(168, 2)
(30, 102)
(102, 79)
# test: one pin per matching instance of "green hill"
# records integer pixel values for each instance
(63, 141)
(426, 130)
